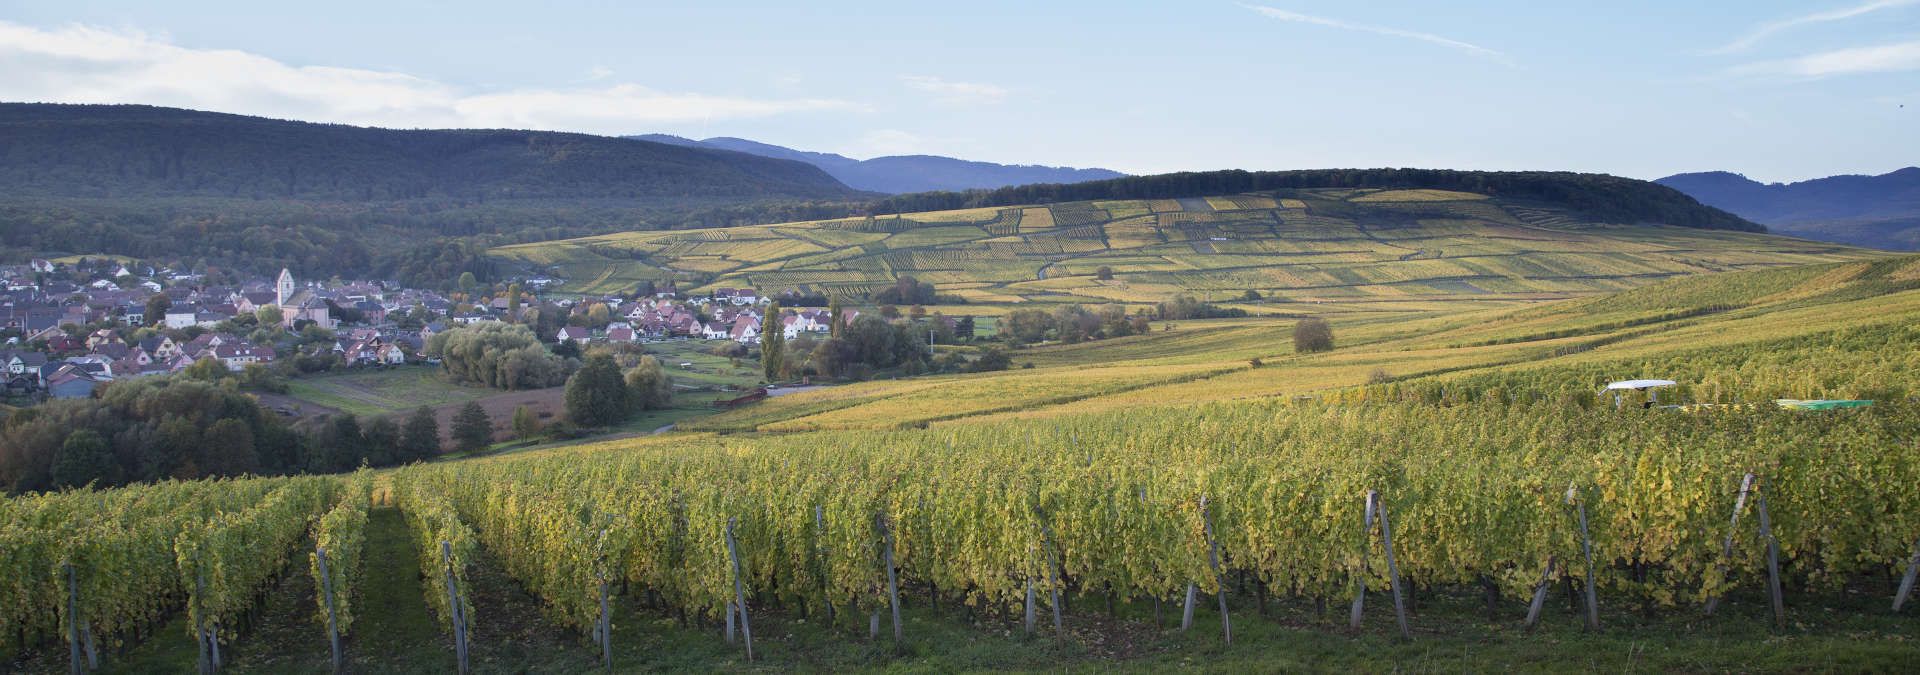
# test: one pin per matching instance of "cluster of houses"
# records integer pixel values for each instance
(35, 310)
(43, 300)
(736, 314)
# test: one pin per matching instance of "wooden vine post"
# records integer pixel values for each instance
(1050, 555)
(1906, 582)
(1186, 615)
(73, 621)
(1393, 570)
(819, 561)
(209, 646)
(1219, 578)
(1733, 527)
(1540, 595)
(1029, 612)
(1586, 548)
(739, 592)
(1773, 562)
(1360, 579)
(605, 628)
(326, 591)
(893, 578)
(454, 608)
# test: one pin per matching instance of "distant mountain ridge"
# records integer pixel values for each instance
(130, 151)
(1879, 211)
(902, 173)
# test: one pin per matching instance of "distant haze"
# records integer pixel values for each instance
(1880, 211)
(898, 174)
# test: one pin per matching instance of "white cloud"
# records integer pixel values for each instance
(884, 142)
(1889, 58)
(598, 73)
(955, 92)
(1766, 30)
(1296, 17)
(86, 64)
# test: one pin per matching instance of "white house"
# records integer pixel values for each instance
(183, 316)
(745, 329)
(577, 334)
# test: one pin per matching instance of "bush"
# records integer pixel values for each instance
(648, 385)
(498, 355)
(596, 395)
(526, 425)
(1312, 334)
(472, 429)
(991, 359)
(420, 436)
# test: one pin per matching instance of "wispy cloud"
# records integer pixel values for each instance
(883, 142)
(87, 64)
(1767, 30)
(955, 92)
(1888, 58)
(1296, 17)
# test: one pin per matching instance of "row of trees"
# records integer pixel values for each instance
(599, 394)
(343, 442)
(188, 426)
(1070, 323)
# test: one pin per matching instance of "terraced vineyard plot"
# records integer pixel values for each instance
(1418, 196)
(1326, 244)
(1006, 223)
(1078, 213)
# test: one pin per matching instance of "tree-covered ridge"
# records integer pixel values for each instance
(1603, 197)
(129, 151)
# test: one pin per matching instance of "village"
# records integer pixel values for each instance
(69, 326)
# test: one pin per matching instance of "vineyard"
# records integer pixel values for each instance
(1343, 246)
(1233, 505)
(1444, 481)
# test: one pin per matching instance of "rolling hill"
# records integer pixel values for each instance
(903, 173)
(1730, 336)
(1878, 211)
(100, 151)
(1302, 245)
(259, 194)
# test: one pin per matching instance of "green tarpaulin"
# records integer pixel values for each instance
(1793, 404)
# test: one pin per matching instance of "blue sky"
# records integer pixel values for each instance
(1776, 90)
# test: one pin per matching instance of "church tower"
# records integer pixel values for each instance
(283, 289)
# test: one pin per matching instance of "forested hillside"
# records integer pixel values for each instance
(144, 151)
(1598, 196)
(261, 194)
(1880, 211)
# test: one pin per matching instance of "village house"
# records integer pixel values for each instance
(575, 334)
(745, 329)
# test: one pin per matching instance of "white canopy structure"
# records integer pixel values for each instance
(1652, 387)
(1639, 384)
